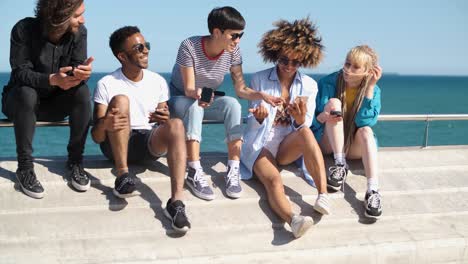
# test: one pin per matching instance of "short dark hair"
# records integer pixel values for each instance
(225, 18)
(118, 38)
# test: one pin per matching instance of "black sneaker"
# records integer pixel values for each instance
(124, 186)
(337, 176)
(79, 177)
(29, 183)
(176, 212)
(373, 204)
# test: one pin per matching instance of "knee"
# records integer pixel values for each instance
(26, 97)
(333, 104)
(120, 101)
(273, 182)
(82, 95)
(176, 127)
(232, 105)
(365, 133)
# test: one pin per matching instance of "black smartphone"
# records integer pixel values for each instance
(70, 72)
(219, 93)
(336, 113)
(206, 94)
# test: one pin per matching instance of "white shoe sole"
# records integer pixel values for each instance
(185, 229)
(124, 196)
(304, 228)
(233, 194)
(322, 210)
(199, 194)
(81, 188)
(371, 216)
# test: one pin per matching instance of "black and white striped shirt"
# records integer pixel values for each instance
(209, 72)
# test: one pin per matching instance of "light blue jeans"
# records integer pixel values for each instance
(224, 108)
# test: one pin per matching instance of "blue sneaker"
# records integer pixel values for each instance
(196, 180)
(233, 187)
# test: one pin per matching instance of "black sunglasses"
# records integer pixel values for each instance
(234, 36)
(140, 47)
(285, 61)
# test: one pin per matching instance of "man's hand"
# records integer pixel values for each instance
(115, 121)
(260, 113)
(62, 80)
(83, 72)
(160, 115)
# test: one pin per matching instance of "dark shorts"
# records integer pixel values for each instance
(138, 149)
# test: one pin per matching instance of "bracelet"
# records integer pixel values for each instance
(297, 127)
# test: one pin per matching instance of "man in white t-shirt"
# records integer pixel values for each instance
(132, 124)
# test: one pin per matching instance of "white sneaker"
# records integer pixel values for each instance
(322, 204)
(300, 224)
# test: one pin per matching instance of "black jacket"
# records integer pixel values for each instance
(33, 58)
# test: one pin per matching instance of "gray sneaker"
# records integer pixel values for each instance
(233, 187)
(196, 180)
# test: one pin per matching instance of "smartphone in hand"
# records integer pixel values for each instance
(206, 95)
(336, 113)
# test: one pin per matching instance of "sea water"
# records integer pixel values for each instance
(401, 94)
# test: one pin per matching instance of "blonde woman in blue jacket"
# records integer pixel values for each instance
(348, 105)
(279, 135)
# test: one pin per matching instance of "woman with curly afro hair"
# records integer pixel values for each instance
(280, 135)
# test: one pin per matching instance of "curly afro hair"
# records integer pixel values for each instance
(298, 37)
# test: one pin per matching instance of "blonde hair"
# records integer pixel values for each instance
(298, 37)
(367, 57)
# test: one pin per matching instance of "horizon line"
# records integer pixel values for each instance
(319, 73)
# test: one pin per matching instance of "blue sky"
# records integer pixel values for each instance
(412, 37)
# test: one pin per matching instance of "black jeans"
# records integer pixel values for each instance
(24, 106)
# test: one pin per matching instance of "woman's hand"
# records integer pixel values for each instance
(260, 113)
(274, 101)
(375, 75)
(325, 117)
(298, 110)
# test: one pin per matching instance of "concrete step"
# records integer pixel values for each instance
(425, 201)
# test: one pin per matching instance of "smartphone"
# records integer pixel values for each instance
(219, 93)
(336, 113)
(206, 94)
(70, 72)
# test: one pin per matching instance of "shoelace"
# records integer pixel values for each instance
(79, 171)
(339, 175)
(200, 178)
(374, 200)
(30, 178)
(125, 181)
(233, 177)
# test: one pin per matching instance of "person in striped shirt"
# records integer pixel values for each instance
(202, 61)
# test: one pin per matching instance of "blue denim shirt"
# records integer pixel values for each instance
(255, 133)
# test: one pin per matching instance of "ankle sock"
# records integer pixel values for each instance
(339, 158)
(233, 163)
(195, 164)
(373, 184)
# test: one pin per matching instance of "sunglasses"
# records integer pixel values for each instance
(140, 47)
(286, 61)
(234, 36)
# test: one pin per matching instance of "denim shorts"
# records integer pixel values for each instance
(138, 147)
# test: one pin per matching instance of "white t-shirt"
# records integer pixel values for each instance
(144, 96)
